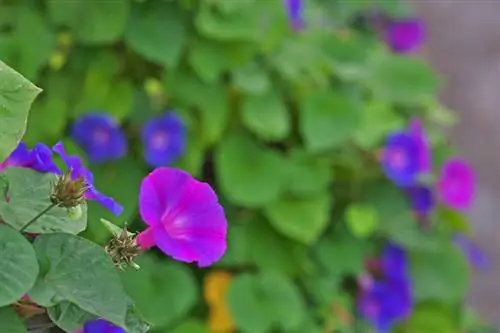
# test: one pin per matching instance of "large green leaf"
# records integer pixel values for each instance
(251, 78)
(79, 271)
(402, 79)
(103, 22)
(29, 193)
(16, 96)
(10, 322)
(431, 317)
(441, 275)
(341, 256)
(207, 59)
(328, 119)
(68, 316)
(18, 266)
(308, 175)
(249, 175)
(157, 31)
(300, 219)
(266, 115)
(260, 303)
(163, 292)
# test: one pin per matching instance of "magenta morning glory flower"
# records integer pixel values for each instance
(294, 9)
(400, 159)
(163, 139)
(388, 297)
(75, 164)
(456, 184)
(100, 326)
(405, 35)
(184, 217)
(100, 136)
(475, 256)
(39, 158)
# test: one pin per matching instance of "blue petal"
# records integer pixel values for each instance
(421, 199)
(101, 326)
(403, 173)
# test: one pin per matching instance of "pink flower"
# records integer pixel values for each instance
(184, 217)
(456, 184)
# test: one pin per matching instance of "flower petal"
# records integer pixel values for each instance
(457, 183)
(101, 326)
(400, 159)
(104, 200)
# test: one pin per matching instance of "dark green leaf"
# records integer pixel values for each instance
(207, 60)
(252, 79)
(29, 193)
(10, 322)
(79, 271)
(16, 96)
(18, 266)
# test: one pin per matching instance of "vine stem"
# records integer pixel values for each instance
(33, 220)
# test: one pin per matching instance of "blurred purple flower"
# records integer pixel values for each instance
(405, 35)
(400, 159)
(100, 136)
(417, 132)
(100, 326)
(422, 200)
(474, 254)
(456, 184)
(75, 165)
(294, 9)
(184, 217)
(387, 299)
(163, 139)
(39, 158)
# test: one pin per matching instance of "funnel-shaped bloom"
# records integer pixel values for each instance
(39, 158)
(100, 326)
(75, 165)
(405, 35)
(163, 139)
(457, 183)
(400, 159)
(100, 136)
(184, 217)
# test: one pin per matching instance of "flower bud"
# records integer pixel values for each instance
(123, 249)
(69, 193)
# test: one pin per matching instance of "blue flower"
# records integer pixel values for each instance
(101, 326)
(39, 158)
(294, 9)
(163, 139)
(422, 200)
(100, 136)
(400, 159)
(389, 298)
(75, 165)
(475, 255)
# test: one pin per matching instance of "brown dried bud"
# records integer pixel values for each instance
(67, 192)
(123, 249)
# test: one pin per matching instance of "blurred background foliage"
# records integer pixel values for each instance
(286, 126)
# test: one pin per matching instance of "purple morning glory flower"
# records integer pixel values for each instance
(164, 139)
(400, 159)
(457, 183)
(39, 158)
(75, 164)
(100, 136)
(184, 217)
(100, 326)
(417, 132)
(385, 300)
(476, 257)
(294, 9)
(422, 200)
(405, 35)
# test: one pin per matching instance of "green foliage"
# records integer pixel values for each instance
(18, 266)
(16, 96)
(10, 322)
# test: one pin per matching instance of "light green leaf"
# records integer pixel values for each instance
(157, 31)
(252, 79)
(69, 316)
(16, 96)
(190, 326)
(10, 321)
(402, 79)
(70, 265)
(361, 219)
(259, 303)
(266, 116)
(120, 99)
(214, 113)
(431, 317)
(248, 174)
(159, 286)
(103, 22)
(341, 256)
(29, 193)
(308, 175)
(207, 60)
(300, 219)
(442, 274)
(18, 266)
(328, 119)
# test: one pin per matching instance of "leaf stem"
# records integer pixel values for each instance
(33, 220)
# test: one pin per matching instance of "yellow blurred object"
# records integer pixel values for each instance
(57, 60)
(214, 290)
(153, 87)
